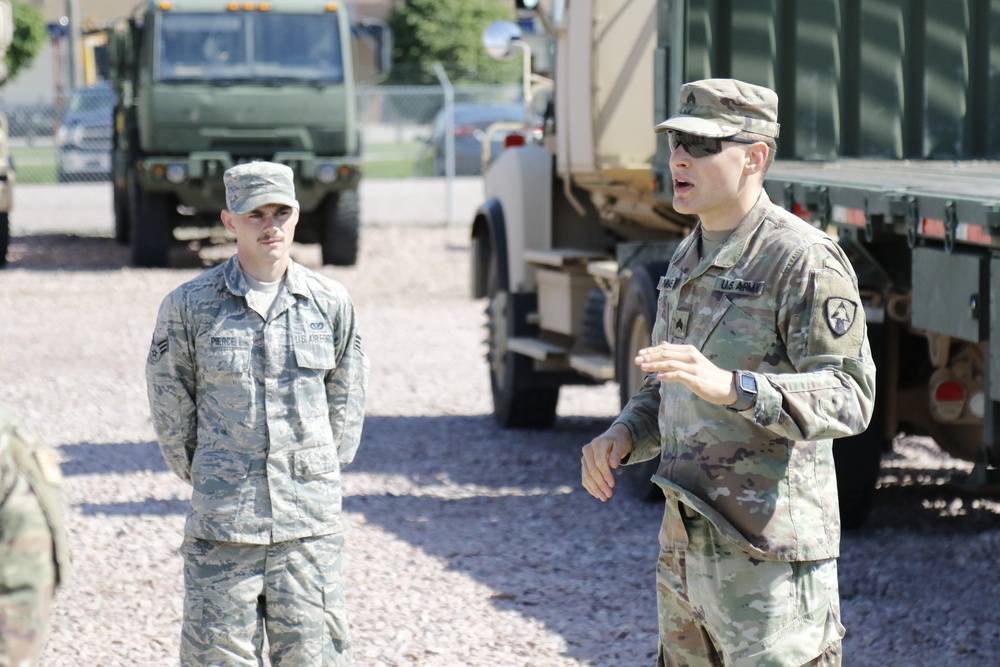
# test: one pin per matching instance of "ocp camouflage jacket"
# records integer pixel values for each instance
(780, 299)
(259, 416)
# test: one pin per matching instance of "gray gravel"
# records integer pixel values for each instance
(467, 545)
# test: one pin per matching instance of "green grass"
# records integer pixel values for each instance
(391, 160)
(37, 164)
(34, 164)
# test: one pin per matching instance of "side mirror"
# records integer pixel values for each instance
(372, 49)
(499, 37)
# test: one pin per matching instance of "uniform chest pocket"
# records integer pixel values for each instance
(226, 373)
(738, 340)
(313, 362)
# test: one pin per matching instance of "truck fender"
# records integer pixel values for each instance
(489, 239)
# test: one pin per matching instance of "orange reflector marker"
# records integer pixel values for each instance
(264, 7)
(344, 170)
(513, 140)
(331, 6)
(232, 6)
(164, 5)
(249, 6)
(158, 171)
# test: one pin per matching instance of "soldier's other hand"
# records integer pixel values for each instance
(601, 456)
(687, 365)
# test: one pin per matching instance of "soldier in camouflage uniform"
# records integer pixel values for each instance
(33, 555)
(256, 380)
(759, 359)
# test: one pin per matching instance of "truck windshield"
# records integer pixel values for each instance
(263, 47)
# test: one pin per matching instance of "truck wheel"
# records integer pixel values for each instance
(635, 329)
(151, 234)
(121, 206)
(520, 399)
(592, 332)
(858, 459)
(4, 237)
(341, 227)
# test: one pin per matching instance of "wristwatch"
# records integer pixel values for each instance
(746, 392)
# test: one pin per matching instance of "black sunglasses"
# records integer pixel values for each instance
(699, 146)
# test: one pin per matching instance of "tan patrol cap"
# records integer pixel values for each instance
(255, 184)
(723, 108)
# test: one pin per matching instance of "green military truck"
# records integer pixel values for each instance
(890, 140)
(202, 85)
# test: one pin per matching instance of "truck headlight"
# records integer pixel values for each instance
(177, 173)
(326, 174)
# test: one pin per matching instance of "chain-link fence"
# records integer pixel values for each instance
(402, 129)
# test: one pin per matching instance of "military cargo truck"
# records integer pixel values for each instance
(890, 140)
(202, 85)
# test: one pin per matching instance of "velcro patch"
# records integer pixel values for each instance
(737, 286)
(836, 325)
(157, 350)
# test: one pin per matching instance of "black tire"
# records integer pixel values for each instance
(592, 332)
(341, 228)
(858, 459)
(635, 326)
(121, 210)
(151, 233)
(4, 237)
(521, 396)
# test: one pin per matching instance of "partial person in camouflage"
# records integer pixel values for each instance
(759, 359)
(256, 379)
(33, 549)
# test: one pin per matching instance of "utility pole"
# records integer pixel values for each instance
(75, 51)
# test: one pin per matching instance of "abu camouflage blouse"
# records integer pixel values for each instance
(259, 416)
(780, 299)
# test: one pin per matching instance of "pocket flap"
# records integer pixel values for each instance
(316, 461)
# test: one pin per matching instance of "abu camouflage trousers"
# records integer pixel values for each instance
(720, 607)
(291, 592)
(27, 577)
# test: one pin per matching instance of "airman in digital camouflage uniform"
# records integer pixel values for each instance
(256, 381)
(760, 358)
(33, 550)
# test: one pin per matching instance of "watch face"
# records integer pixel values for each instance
(748, 383)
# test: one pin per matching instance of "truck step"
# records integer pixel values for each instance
(597, 366)
(539, 350)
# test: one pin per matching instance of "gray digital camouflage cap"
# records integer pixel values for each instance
(255, 184)
(723, 108)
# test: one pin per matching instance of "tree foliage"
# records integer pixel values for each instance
(29, 35)
(449, 31)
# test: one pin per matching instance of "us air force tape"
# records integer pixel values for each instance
(836, 325)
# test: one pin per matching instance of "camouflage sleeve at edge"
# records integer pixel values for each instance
(346, 387)
(641, 417)
(170, 382)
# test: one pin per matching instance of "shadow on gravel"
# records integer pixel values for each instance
(506, 508)
(148, 507)
(71, 252)
(87, 458)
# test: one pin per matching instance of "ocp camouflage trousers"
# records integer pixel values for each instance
(27, 577)
(291, 592)
(720, 607)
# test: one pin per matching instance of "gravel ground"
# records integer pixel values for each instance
(467, 545)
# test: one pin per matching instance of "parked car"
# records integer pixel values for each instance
(471, 121)
(84, 137)
(32, 120)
